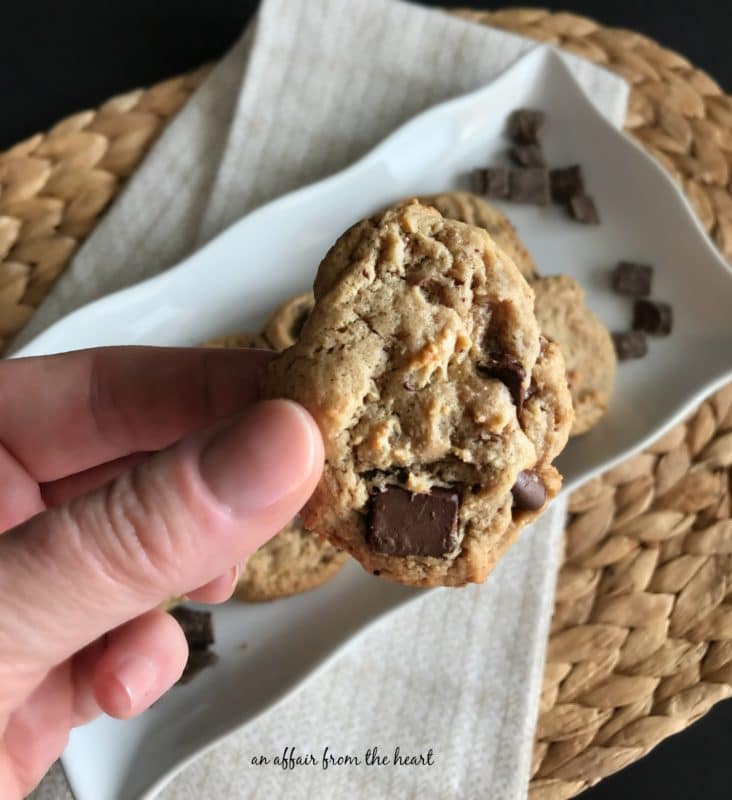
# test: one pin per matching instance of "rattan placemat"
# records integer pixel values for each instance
(641, 642)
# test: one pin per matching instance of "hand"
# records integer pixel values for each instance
(127, 476)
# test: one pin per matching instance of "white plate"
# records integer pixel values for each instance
(233, 282)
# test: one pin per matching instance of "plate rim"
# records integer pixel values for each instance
(540, 54)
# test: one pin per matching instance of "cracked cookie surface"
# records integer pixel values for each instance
(560, 308)
(423, 365)
(470, 208)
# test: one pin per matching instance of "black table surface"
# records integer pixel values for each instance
(60, 57)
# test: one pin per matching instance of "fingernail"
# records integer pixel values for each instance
(261, 458)
(134, 680)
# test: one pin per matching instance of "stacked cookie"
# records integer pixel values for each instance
(436, 361)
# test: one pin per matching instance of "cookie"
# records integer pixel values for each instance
(248, 340)
(468, 207)
(440, 404)
(586, 344)
(292, 562)
(560, 309)
(285, 323)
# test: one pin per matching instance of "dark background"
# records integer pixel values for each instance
(60, 57)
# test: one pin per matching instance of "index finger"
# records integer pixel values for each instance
(62, 414)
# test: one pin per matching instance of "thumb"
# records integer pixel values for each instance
(173, 523)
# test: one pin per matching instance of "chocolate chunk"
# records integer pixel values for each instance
(491, 181)
(406, 524)
(198, 660)
(529, 185)
(508, 370)
(496, 182)
(582, 208)
(566, 182)
(524, 125)
(632, 279)
(198, 629)
(652, 317)
(196, 625)
(529, 492)
(527, 155)
(630, 344)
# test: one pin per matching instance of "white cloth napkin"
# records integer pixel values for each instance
(312, 85)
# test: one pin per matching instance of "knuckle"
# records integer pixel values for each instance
(144, 531)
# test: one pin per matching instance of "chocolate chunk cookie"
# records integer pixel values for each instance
(285, 323)
(423, 365)
(468, 207)
(586, 344)
(292, 562)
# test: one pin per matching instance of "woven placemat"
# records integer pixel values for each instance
(641, 642)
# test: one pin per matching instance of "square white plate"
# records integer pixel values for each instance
(273, 252)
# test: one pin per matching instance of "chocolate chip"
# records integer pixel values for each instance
(524, 125)
(527, 155)
(529, 185)
(566, 182)
(632, 279)
(196, 625)
(198, 660)
(582, 208)
(507, 369)
(491, 181)
(529, 492)
(652, 317)
(406, 524)
(630, 344)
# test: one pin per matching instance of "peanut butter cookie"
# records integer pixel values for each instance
(441, 405)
